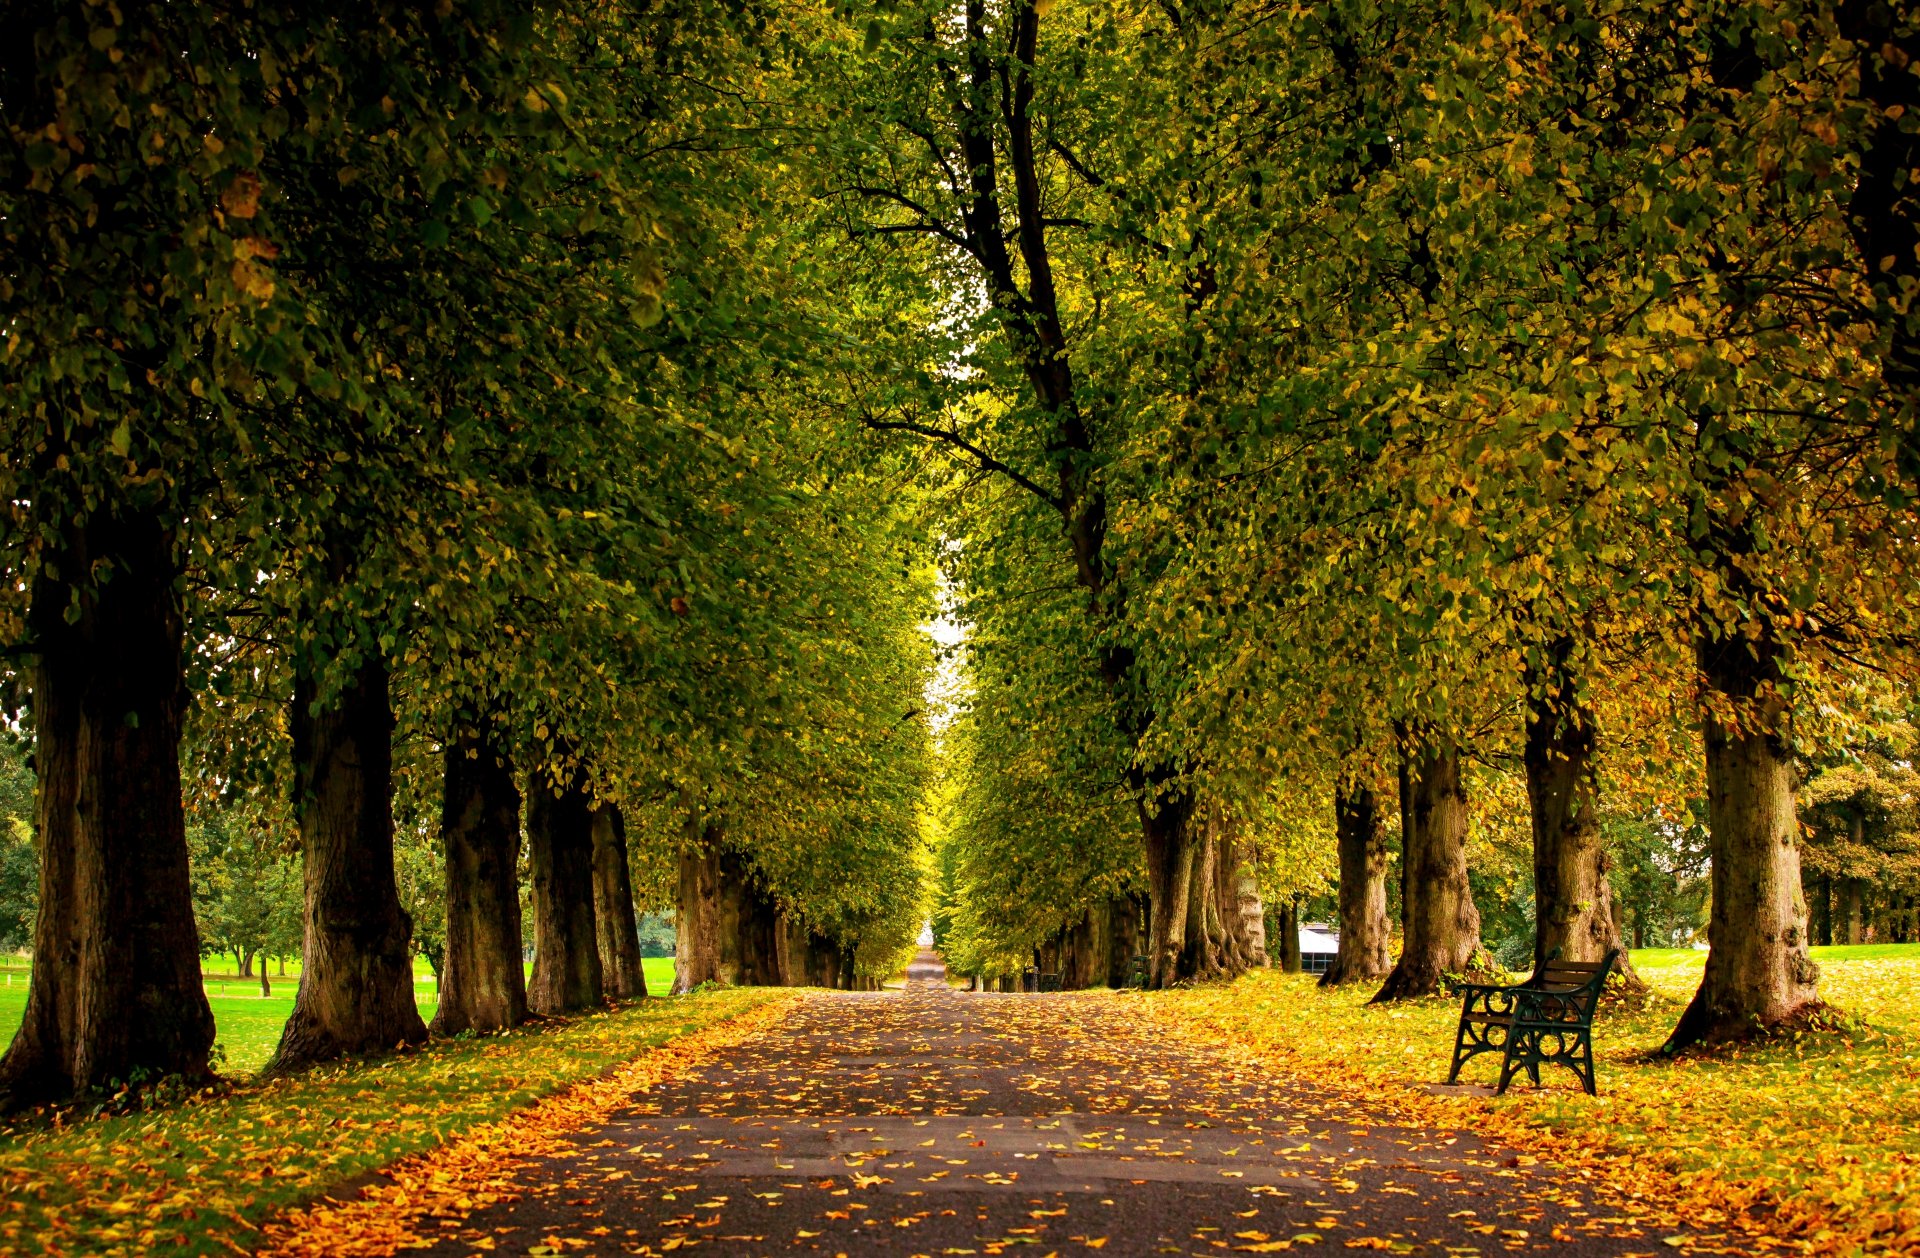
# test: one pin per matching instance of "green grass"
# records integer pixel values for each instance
(1829, 1121)
(247, 1026)
(198, 1177)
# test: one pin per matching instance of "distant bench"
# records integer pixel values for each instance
(1547, 1019)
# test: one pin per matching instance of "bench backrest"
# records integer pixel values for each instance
(1577, 983)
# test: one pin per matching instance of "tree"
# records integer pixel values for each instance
(482, 984)
(19, 858)
(1861, 823)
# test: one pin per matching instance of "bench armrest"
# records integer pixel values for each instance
(1572, 1006)
(1487, 998)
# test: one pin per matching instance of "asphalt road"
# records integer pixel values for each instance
(939, 1123)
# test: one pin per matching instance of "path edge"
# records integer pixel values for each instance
(478, 1166)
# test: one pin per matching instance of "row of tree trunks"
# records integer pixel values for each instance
(1844, 910)
(116, 992)
(1098, 949)
(729, 930)
(116, 988)
(483, 986)
(1204, 905)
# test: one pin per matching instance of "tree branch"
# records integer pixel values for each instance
(986, 461)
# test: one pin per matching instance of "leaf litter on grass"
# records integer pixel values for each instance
(201, 1177)
(1805, 1145)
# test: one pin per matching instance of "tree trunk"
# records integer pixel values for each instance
(356, 979)
(1573, 898)
(1170, 854)
(1202, 957)
(748, 927)
(116, 985)
(484, 986)
(1758, 973)
(566, 948)
(1287, 921)
(1821, 922)
(696, 953)
(266, 987)
(1361, 836)
(1853, 898)
(613, 906)
(1236, 915)
(245, 960)
(1126, 937)
(1442, 924)
(1251, 929)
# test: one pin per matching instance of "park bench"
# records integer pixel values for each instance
(1548, 1018)
(1049, 982)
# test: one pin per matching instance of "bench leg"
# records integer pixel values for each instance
(1459, 1042)
(1583, 1062)
(1511, 1063)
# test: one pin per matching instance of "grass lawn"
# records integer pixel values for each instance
(247, 1025)
(1827, 1123)
(198, 1177)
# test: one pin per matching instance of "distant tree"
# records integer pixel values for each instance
(246, 885)
(1861, 844)
(1660, 877)
(419, 869)
(19, 859)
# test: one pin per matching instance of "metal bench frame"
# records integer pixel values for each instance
(1546, 1020)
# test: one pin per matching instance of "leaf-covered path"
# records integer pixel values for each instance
(933, 1122)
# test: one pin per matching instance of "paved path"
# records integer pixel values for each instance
(935, 1122)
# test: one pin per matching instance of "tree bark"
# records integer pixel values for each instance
(1287, 919)
(1758, 974)
(1170, 856)
(749, 924)
(1854, 902)
(566, 948)
(1203, 955)
(1442, 924)
(484, 986)
(356, 981)
(115, 990)
(613, 907)
(696, 953)
(1251, 930)
(1237, 913)
(1361, 836)
(1573, 898)
(1821, 919)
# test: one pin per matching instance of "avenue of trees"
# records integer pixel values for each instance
(414, 409)
(535, 429)
(1375, 406)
